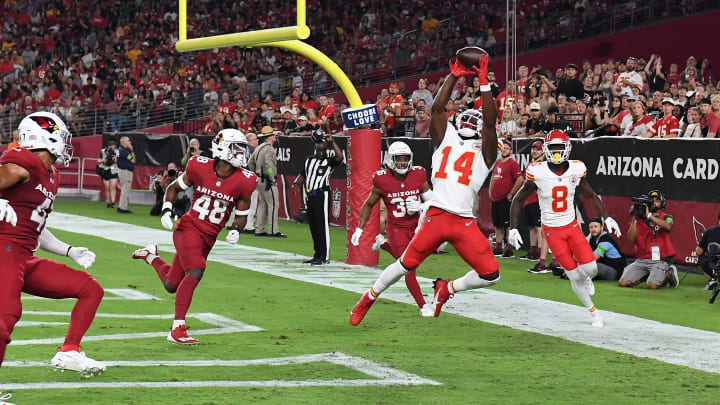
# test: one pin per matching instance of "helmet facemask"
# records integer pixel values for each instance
(46, 131)
(230, 145)
(557, 154)
(469, 124)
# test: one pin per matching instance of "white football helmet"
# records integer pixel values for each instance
(395, 150)
(469, 124)
(45, 130)
(231, 146)
(557, 155)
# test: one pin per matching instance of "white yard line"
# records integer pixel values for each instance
(385, 375)
(622, 333)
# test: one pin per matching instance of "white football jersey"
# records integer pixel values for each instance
(556, 193)
(458, 172)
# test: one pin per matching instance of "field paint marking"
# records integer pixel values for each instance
(33, 323)
(622, 333)
(386, 375)
(121, 294)
(223, 325)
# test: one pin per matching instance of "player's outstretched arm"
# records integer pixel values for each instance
(489, 134)
(365, 212)
(81, 255)
(597, 203)
(525, 191)
(438, 118)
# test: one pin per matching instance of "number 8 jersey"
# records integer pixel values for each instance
(213, 196)
(459, 170)
(556, 192)
(32, 200)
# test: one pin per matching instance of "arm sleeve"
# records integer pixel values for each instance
(49, 243)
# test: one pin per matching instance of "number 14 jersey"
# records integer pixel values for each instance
(556, 192)
(213, 196)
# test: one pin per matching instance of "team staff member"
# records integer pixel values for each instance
(263, 162)
(315, 178)
(126, 166)
(506, 180)
(610, 261)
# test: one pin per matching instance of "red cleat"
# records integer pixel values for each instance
(442, 294)
(180, 336)
(361, 308)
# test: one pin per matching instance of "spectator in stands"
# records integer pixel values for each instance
(629, 79)
(506, 180)
(508, 126)
(552, 122)
(336, 125)
(422, 123)
(709, 121)
(545, 99)
(655, 74)
(422, 93)
(15, 140)
(636, 123)
(192, 150)
(715, 103)
(569, 84)
(126, 165)
(522, 125)
(666, 127)
(107, 169)
(303, 128)
(325, 112)
(692, 127)
(650, 232)
(609, 258)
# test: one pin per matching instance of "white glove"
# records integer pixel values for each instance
(514, 239)
(413, 206)
(612, 226)
(355, 238)
(7, 213)
(82, 256)
(232, 236)
(166, 218)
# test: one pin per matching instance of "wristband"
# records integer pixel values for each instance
(181, 183)
(485, 87)
(68, 251)
(167, 205)
(241, 213)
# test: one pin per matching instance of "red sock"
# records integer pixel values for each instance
(161, 268)
(412, 285)
(83, 313)
(386, 247)
(183, 296)
(542, 261)
(70, 348)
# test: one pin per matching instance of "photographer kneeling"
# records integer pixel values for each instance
(649, 231)
(711, 235)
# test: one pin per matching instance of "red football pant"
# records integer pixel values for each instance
(398, 240)
(568, 241)
(462, 232)
(23, 272)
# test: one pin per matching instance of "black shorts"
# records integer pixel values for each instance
(532, 214)
(501, 213)
(107, 174)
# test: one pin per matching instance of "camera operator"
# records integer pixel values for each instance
(163, 178)
(649, 231)
(107, 169)
(610, 261)
(710, 235)
(192, 150)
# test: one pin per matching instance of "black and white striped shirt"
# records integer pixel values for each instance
(317, 173)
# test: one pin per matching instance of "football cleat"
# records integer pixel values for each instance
(539, 269)
(426, 311)
(596, 319)
(77, 361)
(4, 398)
(589, 286)
(379, 240)
(442, 294)
(180, 336)
(143, 253)
(360, 309)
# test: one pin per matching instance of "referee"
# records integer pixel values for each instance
(315, 178)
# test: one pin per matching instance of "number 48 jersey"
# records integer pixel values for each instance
(397, 192)
(213, 196)
(32, 200)
(556, 192)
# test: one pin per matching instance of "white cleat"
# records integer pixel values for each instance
(589, 286)
(596, 319)
(77, 361)
(143, 253)
(4, 398)
(379, 240)
(427, 311)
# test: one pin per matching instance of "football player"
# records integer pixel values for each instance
(29, 184)
(401, 188)
(460, 164)
(555, 181)
(220, 184)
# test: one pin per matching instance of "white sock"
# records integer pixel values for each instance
(470, 281)
(178, 322)
(589, 269)
(577, 281)
(389, 276)
(150, 257)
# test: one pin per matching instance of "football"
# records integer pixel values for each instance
(469, 56)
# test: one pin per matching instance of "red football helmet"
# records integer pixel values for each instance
(557, 155)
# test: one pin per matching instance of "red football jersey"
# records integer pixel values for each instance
(396, 192)
(32, 200)
(666, 127)
(213, 196)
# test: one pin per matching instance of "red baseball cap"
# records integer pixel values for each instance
(537, 145)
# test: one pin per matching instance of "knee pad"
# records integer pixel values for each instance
(589, 269)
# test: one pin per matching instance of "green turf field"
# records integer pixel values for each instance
(475, 362)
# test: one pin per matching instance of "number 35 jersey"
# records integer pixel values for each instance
(459, 170)
(556, 192)
(32, 200)
(397, 192)
(213, 196)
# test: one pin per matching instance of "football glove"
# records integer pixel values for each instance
(612, 226)
(413, 206)
(457, 69)
(7, 213)
(514, 239)
(355, 239)
(482, 70)
(82, 256)
(232, 236)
